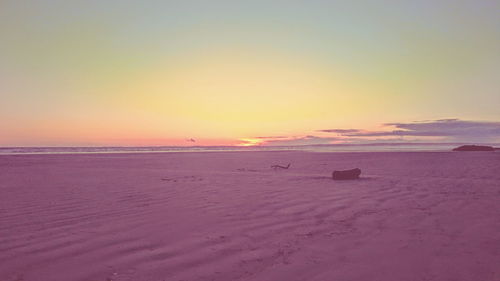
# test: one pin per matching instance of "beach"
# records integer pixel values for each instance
(226, 216)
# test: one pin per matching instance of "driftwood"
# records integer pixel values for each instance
(346, 174)
(280, 167)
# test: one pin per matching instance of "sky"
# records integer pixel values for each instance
(274, 72)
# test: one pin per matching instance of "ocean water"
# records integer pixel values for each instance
(382, 147)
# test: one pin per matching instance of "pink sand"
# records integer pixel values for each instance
(228, 216)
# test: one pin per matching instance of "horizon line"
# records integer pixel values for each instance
(258, 145)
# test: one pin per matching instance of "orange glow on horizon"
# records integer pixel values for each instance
(250, 142)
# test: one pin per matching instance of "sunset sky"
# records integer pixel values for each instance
(248, 72)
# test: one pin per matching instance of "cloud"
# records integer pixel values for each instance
(339, 131)
(451, 127)
(273, 137)
(427, 131)
(300, 140)
(448, 129)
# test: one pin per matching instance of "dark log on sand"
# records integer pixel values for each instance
(346, 174)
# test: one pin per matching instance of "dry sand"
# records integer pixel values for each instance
(229, 216)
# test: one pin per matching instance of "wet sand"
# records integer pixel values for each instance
(229, 216)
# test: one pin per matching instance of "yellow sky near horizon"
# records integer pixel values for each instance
(158, 73)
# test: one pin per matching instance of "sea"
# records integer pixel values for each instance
(373, 147)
